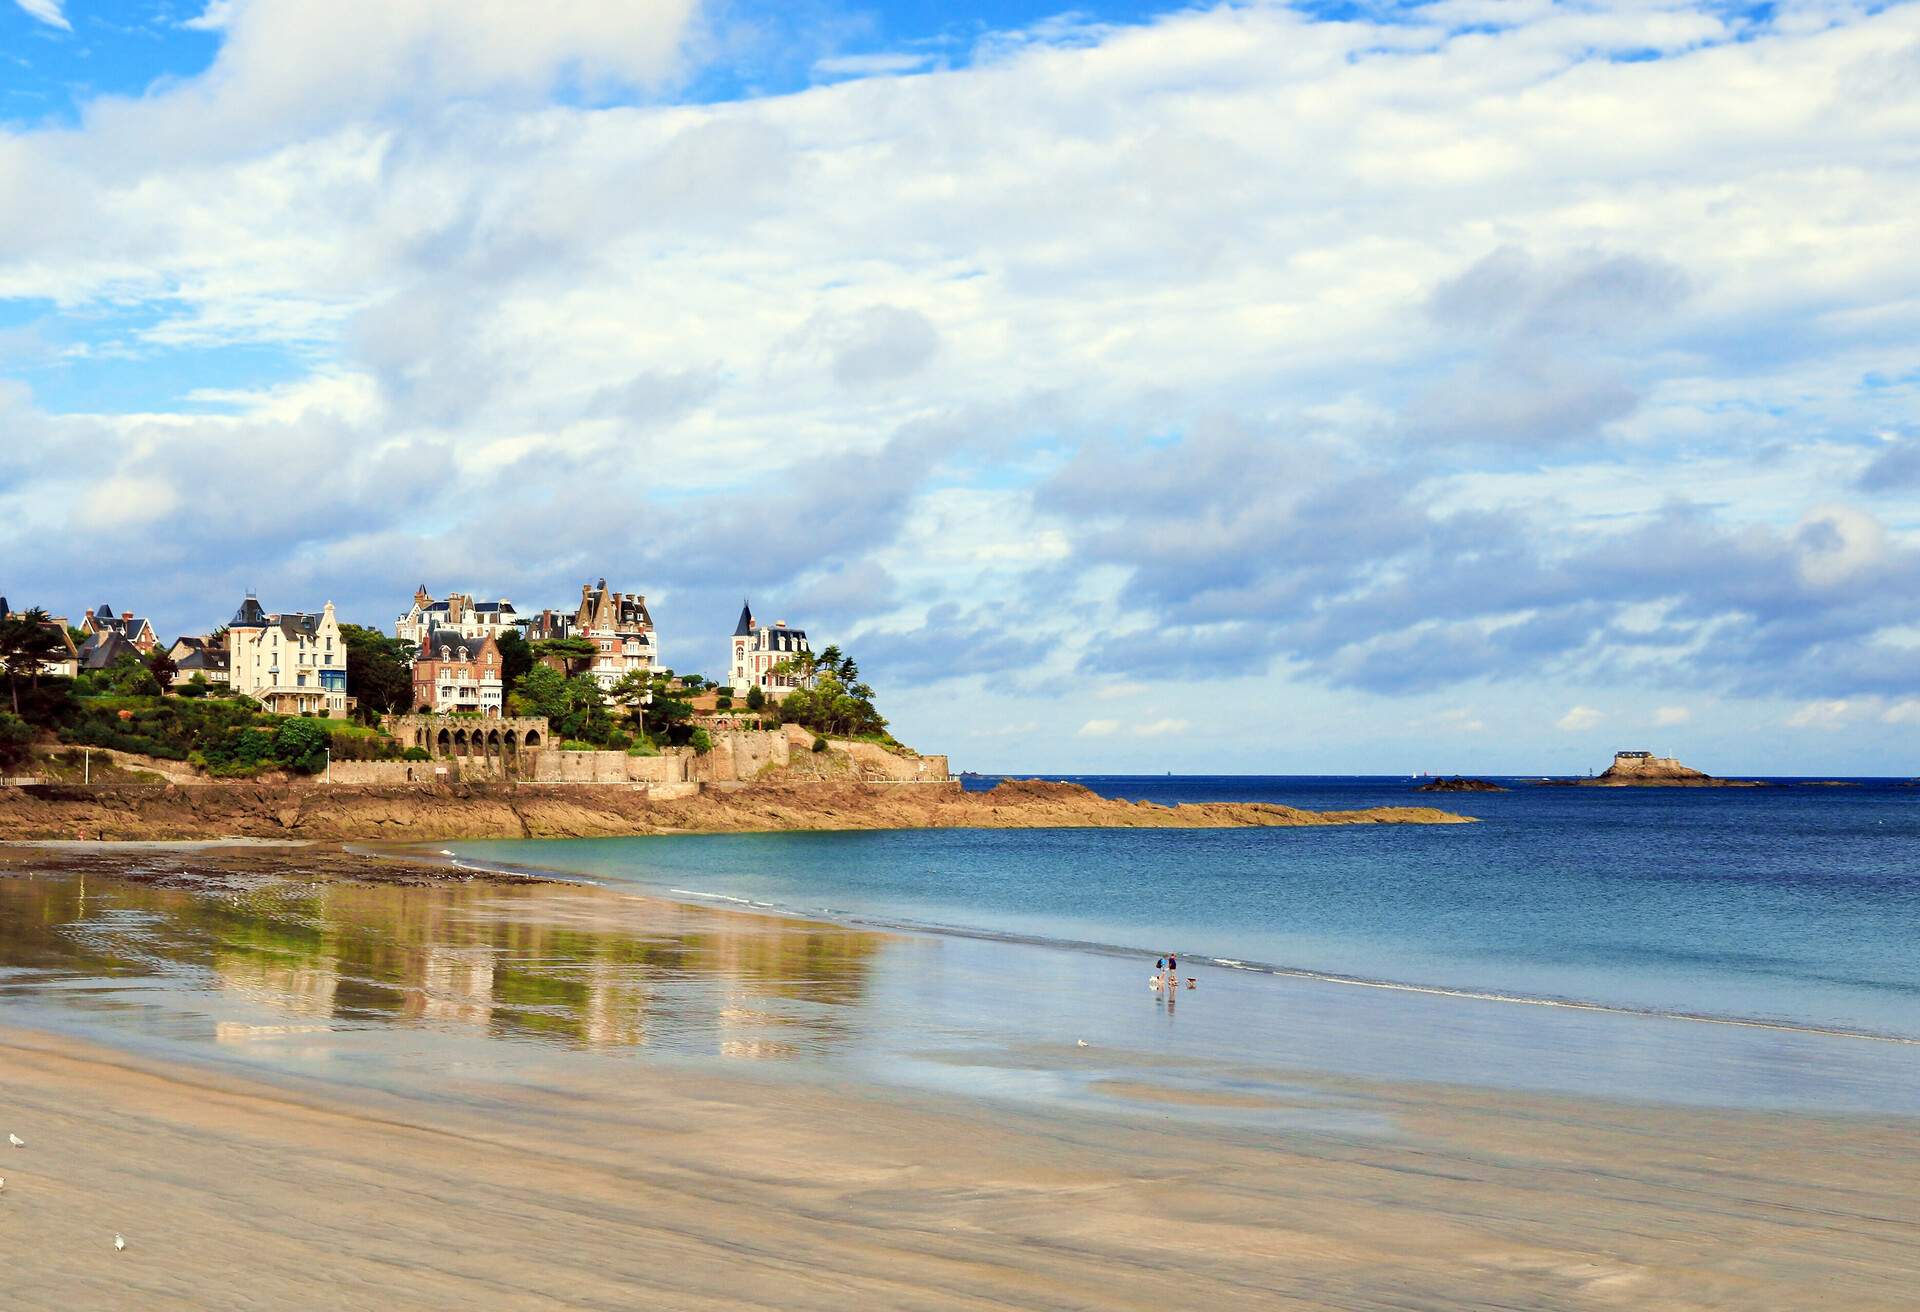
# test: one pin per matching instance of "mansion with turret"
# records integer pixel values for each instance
(772, 658)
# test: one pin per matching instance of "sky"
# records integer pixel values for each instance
(1480, 385)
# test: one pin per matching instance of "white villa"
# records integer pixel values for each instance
(459, 613)
(293, 664)
(759, 652)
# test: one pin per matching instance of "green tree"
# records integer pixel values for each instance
(379, 670)
(16, 737)
(27, 644)
(130, 677)
(631, 692)
(543, 691)
(756, 700)
(301, 744)
(516, 658)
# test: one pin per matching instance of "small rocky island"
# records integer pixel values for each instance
(1645, 770)
(1459, 784)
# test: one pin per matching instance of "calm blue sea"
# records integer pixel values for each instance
(1796, 904)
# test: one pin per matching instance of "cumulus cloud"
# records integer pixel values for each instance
(47, 11)
(1099, 728)
(1665, 717)
(1354, 354)
(1833, 713)
(1579, 718)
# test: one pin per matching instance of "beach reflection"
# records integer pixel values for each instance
(573, 967)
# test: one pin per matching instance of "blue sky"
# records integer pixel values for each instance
(1483, 384)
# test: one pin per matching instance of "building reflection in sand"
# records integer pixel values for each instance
(578, 967)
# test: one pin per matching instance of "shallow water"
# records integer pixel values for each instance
(402, 987)
(1794, 904)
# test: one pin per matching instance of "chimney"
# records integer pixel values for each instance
(126, 617)
(779, 624)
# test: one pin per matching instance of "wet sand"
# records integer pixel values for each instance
(289, 1088)
(629, 1188)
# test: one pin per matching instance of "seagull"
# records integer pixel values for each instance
(118, 1243)
(1081, 1042)
(3, 1182)
(16, 1141)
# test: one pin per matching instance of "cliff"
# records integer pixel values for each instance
(1459, 786)
(505, 811)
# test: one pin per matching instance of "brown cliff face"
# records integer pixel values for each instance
(505, 811)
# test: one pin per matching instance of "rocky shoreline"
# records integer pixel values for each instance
(342, 813)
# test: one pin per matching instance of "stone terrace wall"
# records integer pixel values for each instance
(741, 756)
(553, 766)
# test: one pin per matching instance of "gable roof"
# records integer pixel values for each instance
(104, 649)
(456, 645)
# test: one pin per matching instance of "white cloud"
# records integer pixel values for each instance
(1114, 692)
(1162, 728)
(1832, 713)
(1904, 711)
(669, 314)
(1667, 716)
(47, 11)
(1579, 718)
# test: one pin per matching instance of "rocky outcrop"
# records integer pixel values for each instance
(506, 811)
(1645, 770)
(1459, 785)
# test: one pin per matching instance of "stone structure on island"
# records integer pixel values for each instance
(459, 613)
(772, 658)
(1645, 770)
(455, 673)
(292, 664)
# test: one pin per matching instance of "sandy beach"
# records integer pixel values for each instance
(291, 1085)
(633, 1188)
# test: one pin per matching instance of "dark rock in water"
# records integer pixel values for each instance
(1459, 785)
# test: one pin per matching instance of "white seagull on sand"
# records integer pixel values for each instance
(118, 1243)
(16, 1141)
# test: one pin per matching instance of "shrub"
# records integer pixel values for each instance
(819, 744)
(415, 754)
(15, 736)
(755, 698)
(701, 742)
(643, 748)
(575, 745)
(301, 744)
(191, 690)
(618, 742)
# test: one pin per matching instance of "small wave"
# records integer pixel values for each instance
(717, 897)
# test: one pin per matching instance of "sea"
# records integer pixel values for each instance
(1754, 948)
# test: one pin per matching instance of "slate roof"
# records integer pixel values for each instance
(250, 616)
(206, 658)
(104, 649)
(745, 626)
(458, 647)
